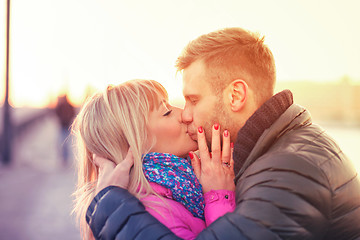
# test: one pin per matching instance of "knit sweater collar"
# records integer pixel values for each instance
(254, 127)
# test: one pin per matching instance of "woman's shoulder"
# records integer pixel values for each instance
(161, 190)
(170, 212)
(164, 202)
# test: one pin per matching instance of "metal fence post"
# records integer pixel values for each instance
(7, 129)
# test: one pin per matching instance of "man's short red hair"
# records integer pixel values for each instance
(233, 53)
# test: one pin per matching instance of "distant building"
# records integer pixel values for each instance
(327, 101)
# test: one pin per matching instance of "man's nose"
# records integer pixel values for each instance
(186, 115)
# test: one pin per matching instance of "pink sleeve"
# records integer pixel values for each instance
(217, 204)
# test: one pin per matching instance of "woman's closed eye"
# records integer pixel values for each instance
(167, 113)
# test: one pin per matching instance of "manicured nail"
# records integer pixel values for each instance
(216, 126)
(226, 133)
(191, 155)
(200, 129)
(232, 145)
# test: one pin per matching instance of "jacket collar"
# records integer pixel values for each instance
(255, 127)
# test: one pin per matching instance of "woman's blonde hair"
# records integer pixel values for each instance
(107, 125)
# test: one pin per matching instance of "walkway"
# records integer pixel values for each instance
(35, 190)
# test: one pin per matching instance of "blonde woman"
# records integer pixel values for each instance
(136, 115)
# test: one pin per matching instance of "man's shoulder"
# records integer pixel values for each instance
(286, 163)
(307, 151)
(310, 143)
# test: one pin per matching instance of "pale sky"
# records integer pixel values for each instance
(73, 44)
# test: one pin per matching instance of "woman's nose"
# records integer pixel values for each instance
(176, 113)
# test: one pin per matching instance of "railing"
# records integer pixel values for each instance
(19, 127)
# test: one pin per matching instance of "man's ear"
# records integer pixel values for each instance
(238, 93)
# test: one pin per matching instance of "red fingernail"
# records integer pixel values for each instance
(216, 126)
(226, 133)
(191, 155)
(232, 145)
(200, 129)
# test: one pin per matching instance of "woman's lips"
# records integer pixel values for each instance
(193, 136)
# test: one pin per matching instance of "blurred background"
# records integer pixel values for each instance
(60, 52)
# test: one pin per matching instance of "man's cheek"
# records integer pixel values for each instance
(200, 117)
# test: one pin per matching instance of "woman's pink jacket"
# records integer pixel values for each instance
(178, 219)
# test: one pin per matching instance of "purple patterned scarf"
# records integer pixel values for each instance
(176, 174)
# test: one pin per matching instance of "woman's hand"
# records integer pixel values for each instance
(111, 174)
(214, 170)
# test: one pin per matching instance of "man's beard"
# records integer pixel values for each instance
(222, 117)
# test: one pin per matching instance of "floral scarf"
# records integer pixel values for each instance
(176, 174)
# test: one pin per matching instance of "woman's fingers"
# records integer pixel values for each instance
(216, 143)
(203, 149)
(103, 163)
(214, 174)
(127, 163)
(122, 170)
(111, 174)
(196, 164)
(230, 166)
(226, 150)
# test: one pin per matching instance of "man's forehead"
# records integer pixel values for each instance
(194, 86)
(194, 78)
(191, 88)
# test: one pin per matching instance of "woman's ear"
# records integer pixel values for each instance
(238, 92)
